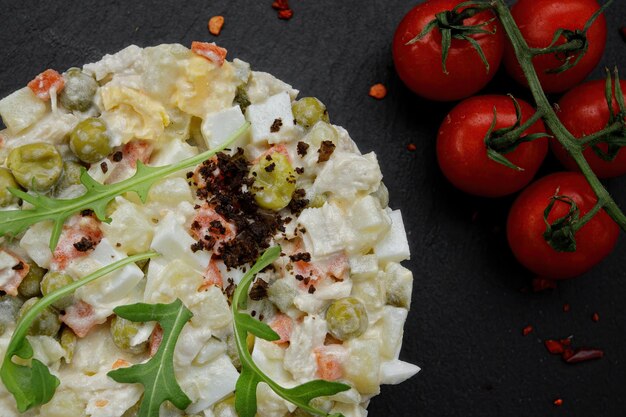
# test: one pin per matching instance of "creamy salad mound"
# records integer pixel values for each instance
(337, 296)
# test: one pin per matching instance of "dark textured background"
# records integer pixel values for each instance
(468, 312)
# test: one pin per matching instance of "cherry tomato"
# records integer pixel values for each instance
(462, 153)
(538, 20)
(419, 64)
(583, 111)
(526, 226)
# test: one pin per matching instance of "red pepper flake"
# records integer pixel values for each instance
(541, 284)
(555, 347)
(215, 25)
(567, 353)
(285, 14)
(527, 330)
(583, 355)
(280, 5)
(411, 147)
(566, 307)
(378, 91)
(558, 402)
(623, 32)
(566, 341)
(595, 317)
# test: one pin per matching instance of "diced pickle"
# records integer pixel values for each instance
(70, 176)
(308, 110)
(9, 308)
(274, 181)
(346, 318)
(79, 90)
(36, 166)
(241, 98)
(52, 281)
(7, 180)
(29, 287)
(46, 323)
(123, 331)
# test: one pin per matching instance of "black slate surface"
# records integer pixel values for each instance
(468, 312)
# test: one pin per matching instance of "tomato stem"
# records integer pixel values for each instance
(597, 136)
(524, 56)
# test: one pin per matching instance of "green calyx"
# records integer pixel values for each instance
(502, 141)
(451, 26)
(560, 233)
(575, 46)
(614, 134)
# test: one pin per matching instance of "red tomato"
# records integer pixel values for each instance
(583, 111)
(462, 153)
(538, 20)
(419, 64)
(525, 227)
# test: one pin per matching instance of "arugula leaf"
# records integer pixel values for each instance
(156, 375)
(97, 196)
(34, 385)
(251, 375)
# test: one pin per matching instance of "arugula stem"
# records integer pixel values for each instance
(24, 324)
(524, 56)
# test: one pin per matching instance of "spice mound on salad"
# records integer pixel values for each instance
(183, 236)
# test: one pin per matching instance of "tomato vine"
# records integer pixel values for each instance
(572, 145)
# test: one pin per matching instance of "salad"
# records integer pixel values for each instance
(336, 296)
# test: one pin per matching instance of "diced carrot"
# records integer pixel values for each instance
(156, 337)
(46, 82)
(15, 273)
(328, 360)
(212, 229)
(215, 25)
(283, 325)
(210, 51)
(80, 317)
(212, 276)
(80, 235)
(133, 151)
(120, 363)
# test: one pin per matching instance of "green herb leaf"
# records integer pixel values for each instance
(97, 196)
(34, 385)
(251, 375)
(156, 375)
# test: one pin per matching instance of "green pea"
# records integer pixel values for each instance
(70, 176)
(123, 331)
(346, 318)
(7, 180)
(308, 110)
(79, 90)
(46, 323)
(9, 308)
(89, 140)
(68, 343)
(36, 166)
(29, 287)
(274, 181)
(52, 281)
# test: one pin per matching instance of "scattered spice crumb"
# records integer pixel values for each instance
(378, 91)
(566, 307)
(285, 14)
(215, 25)
(595, 317)
(555, 347)
(558, 402)
(582, 355)
(411, 147)
(540, 284)
(527, 330)
(104, 167)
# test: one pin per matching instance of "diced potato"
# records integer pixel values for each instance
(394, 246)
(363, 266)
(281, 294)
(363, 365)
(272, 120)
(130, 228)
(64, 403)
(392, 331)
(21, 109)
(372, 293)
